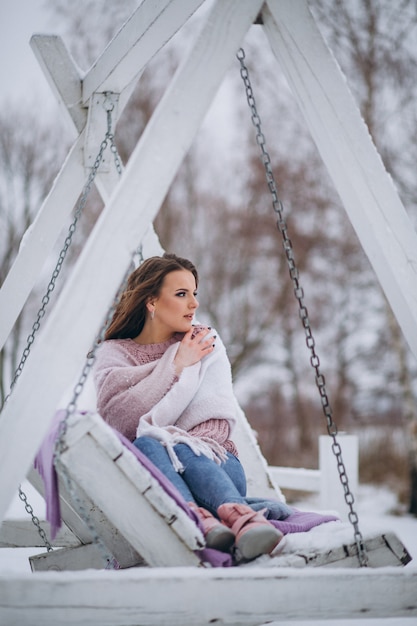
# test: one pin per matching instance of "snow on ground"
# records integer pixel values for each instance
(374, 506)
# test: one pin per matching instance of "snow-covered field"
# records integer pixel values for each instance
(374, 506)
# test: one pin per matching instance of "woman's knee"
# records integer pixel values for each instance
(236, 473)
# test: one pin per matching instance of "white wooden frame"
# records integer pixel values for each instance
(291, 31)
(375, 211)
(115, 237)
(191, 596)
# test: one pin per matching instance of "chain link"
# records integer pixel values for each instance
(303, 312)
(60, 443)
(108, 140)
(35, 520)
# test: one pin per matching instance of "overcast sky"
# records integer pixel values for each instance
(19, 69)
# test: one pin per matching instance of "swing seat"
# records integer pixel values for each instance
(141, 524)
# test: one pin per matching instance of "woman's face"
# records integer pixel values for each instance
(176, 304)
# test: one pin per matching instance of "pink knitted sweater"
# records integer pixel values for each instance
(138, 393)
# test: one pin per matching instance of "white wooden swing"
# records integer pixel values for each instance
(243, 595)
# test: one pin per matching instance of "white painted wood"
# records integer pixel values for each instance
(65, 80)
(88, 293)
(147, 30)
(62, 75)
(68, 513)
(367, 191)
(190, 596)
(297, 478)
(97, 127)
(75, 558)
(115, 543)
(19, 533)
(384, 550)
(99, 465)
(259, 479)
(38, 241)
(237, 601)
(110, 535)
(139, 508)
(40, 238)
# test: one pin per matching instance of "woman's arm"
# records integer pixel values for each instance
(126, 390)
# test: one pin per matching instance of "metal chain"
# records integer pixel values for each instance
(60, 443)
(108, 140)
(35, 520)
(303, 312)
(91, 356)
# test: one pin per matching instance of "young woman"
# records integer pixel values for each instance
(166, 385)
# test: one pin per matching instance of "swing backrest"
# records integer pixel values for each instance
(127, 508)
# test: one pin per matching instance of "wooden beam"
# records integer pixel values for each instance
(88, 293)
(62, 76)
(115, 543)
(75, 558)
(166, 535)
(66, 82)
(367, 192)
(18, 533)
(147, 30)
(260, 481)
(40, 238)
(188, 596)
(65, 79)
(296, 478)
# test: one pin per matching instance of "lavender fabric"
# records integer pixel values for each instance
(44, 464)
(290, 520)
(302, 521)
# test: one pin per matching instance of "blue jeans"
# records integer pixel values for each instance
(202, 481)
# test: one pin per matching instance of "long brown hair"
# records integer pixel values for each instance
(144, 283)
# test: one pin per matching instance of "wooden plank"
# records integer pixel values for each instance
(147, 31)
(367, 191)
(40, 238)
(190, 596)
(65, 80)
(19, 533)
(76, 558)
(116, 544)
(88, 293)
(38, 241)
(62, 75)
(138, 507)
(73, 513)
(260, 481)
(296, 478)
(384, 550)
(68, 513)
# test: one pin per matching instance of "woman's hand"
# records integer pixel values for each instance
(193, 347)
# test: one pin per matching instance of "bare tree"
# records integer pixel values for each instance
(375, 42)
(218, 212)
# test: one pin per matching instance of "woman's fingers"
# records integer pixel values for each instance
(194, 346)
(204, 338)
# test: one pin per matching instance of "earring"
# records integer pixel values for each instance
(152, 314)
